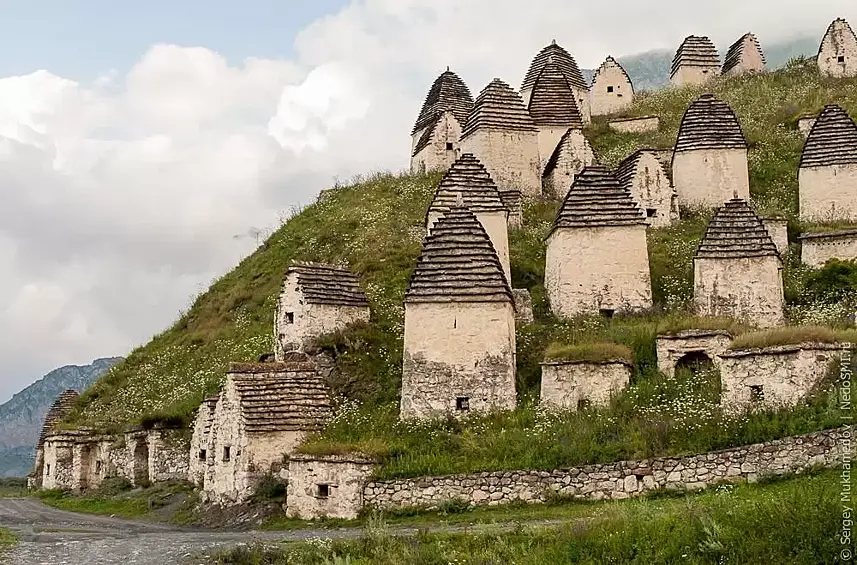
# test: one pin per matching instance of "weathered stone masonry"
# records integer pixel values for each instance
(436, 133)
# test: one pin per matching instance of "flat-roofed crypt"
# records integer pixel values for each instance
(695, 61)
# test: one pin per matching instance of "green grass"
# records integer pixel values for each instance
(7, 539)
(792, 336)
(13, 487)
(589, 352)
(676, 324)
(132, 504)
(791, 522)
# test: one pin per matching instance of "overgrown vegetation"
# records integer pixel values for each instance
(13, 487)
(114, 498)
(792, 336)
(589, 352)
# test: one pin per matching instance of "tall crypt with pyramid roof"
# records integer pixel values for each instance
(837, 54)
(827, 177)
(459, 348)
(436, 133)
(612, 90)
(737, 271)
(744, 56)
(552, 109)
(644, 176)
(597, 259)
(61, 408)
(568, 66)
(710, 158)
(695, 62)
(572, 154)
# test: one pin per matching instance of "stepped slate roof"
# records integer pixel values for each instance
(468, 178)
(425, 138)
(458, 263)
(58, 410)
(736, 231)
(447, 93)
(736, 50)
(832, 27)
(552, 100)
(628, 167)
(709, 123)
(695, 51)
(608, 61)
(206, 409)
(832, 139)
(284, 396)
(563, 59)
(327, 284)
(498, 107)
(553, 160)
(597, 199)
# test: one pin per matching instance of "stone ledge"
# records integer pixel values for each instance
(687, 334)
(782, 349)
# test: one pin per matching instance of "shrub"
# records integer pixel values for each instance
(834, 282)
(269, 488)
(111, 486)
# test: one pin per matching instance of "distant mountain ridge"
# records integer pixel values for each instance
(21, 417)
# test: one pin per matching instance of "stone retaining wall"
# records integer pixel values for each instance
(615, 480)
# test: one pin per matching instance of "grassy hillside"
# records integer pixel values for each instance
(375, 225)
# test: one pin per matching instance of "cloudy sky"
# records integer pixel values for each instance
(141, 142)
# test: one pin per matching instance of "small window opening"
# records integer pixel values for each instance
(583, 403)
(619, 95)
(607, 313)
(651, 212)
(449, 146)
(609, 89)
(98, 467)
(290, 317)
(202, 454)
(462, 403)
(757, 393)
(323, 490)
(705, 71)
(48, 468)
(840, 59)
(226, 453)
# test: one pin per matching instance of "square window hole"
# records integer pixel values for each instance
(202, 454)
(757, 393)
(227, 453)
(449, 147)
(840, 59)
(607, 313)
(290, 317)
(609, 89)
(583, 403)
(462, 403)
(323, 491)
(98, 467)
(651, 212)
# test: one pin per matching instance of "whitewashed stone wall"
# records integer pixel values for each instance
(688, 75)
(514, 204)
(200, 444)
(443, 149)
(636, 125)
(497, 226)
(590, 269)
(838, 43)
(523, 306)
(309, 320)
(748, 289)
(169, 455)
(458, 350)
(751, 59)
(805, 123)
(568, 384)
(620, 480)
(709, 177)
(575, 154)
(786, 374)
(58, 470)
(778, 229)
(326, 486)
(652, 190)
(828, 194)
(672, 348)
(817, 249)
(511, 158)
(611, 90)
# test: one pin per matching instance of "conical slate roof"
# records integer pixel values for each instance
(562, 58)
(58, 410)
(467, 178)
(552, 101)
(734, 232)
(447, 93)
(328, 284)
(832, 140)
(597, 199)
(498, 107)
(458, 263)
(709, 123)
(736, 51)
(695, 51)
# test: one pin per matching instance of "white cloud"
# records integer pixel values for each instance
(121, 197)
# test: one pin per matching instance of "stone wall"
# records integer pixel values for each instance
(828, 194)
(575, 153)
(326, 486)
(689, 75)
(805, 123)
(778, 229)
(817, 248)
(709, 177)
(514, 204)
(636, 125)
(549, 138)
(497, 227)
(652, 190)
(839, 41)
(511, 158)
(169, 455)
(456, 351)
(523, 306)
(615, 480)
(601, 268)
(574, 384)
(443, 149)
(58, 469)
(748, 289)
(671, 349)
(774, 376)
(611, 90)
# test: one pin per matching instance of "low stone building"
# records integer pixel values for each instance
(695, 62)
(315, 300)
(690, 347)
(501, 134)
(774, 377)
(326, 486)
(827, 179)
(569, 68)
(611, 90)
(816, 249)
(642, 124)
(468, 184)
(56, 413)
(58, 460)
(778, 229)
(744, 56)
(837, 54)
(574, 385)
(200, 440)
(737, 271)
(572, 154)
(264, 411)
(710, 157)
(436, 133)
(514, 203)
(642, 174)
(552, 109)
(597, 258)
(459, 347)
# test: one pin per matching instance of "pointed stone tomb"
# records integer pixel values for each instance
(572, 154)
(837, 54)
(61, 408)
(597, 259)
(459, 350)
(467, 183)
(200, 448)
(737, 272)
(568, 67)
(612, 90)
(744, 56)
(695, 62)
(827, 178)
(553, 109)
(710, 159)
(434, 139)
(642, 174)
(501, 134)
